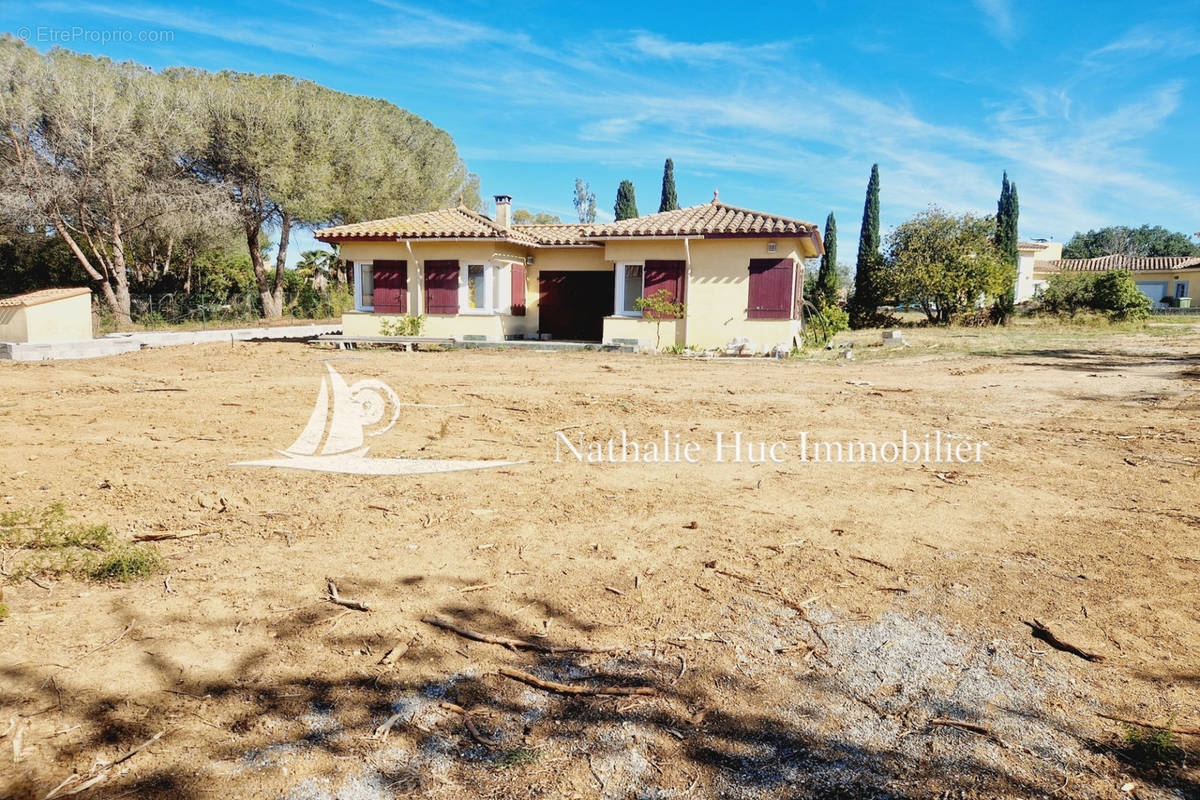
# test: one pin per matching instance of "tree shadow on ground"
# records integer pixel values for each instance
(715, 726)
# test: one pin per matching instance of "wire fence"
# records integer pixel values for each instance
(177, 309)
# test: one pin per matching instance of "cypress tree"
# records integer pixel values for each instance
(669, 201)
(867, 280)
(826, 289)
(626, 206)
(1007, 214)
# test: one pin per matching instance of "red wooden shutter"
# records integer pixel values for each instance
(441, 287)
(771, 289)
(661, 275)
(391, 287)
(518, 290)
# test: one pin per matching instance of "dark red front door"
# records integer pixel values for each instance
(573, 305)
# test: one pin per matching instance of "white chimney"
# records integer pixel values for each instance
(504, 211)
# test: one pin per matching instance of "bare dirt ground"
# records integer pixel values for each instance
(800, 624)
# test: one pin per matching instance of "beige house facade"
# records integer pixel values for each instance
(738, 274)
(1169, 281)
(47, 316)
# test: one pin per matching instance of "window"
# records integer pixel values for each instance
(486, 289)
(365, 277)
(772, 289)
(477, 288)
(1181, 288)
(631, 281)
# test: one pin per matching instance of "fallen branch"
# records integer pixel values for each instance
(1040, 631)
(382, 730)
(866, 560)
(469, 724)
(1151, 725)
(103, 773)
(511, 644)
(569, 688)
(162, 537)
(391, 656)
(966, 726)
(334, 597)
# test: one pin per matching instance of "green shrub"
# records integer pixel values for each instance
(126, 563)
(48, 543)
(3, 611)
(822, 325)
(1151, 746)
(1114, 293)
(407, 325)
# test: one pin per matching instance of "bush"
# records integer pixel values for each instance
(822, 325)
(126, 563)
(48, 543)
(1113, 293)
(408, 325)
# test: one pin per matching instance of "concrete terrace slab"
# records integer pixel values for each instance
(117, 343)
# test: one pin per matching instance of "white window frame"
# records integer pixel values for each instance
(494, 293)
(358, 286)
(619, 291)
(464, 288)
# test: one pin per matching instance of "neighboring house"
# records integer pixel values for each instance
(1028, 268)
(739, 273)
(49, 315)
(1166, 280)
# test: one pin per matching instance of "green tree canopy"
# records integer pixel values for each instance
(826, 289)
(626, 205)
(1122, 240)
(585, 201)
(669, 201)
(868, 279)
(524, 216)
(1007, 215)
(948, 264)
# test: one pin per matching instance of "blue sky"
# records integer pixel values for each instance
(1092, 107)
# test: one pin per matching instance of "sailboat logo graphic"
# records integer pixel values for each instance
(342, 418)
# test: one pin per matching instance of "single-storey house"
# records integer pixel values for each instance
(48, 315)
(1166, 280)
(739, 273)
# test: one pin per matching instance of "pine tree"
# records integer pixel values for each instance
(1007, 214)
(826, 289)
(868, 281)
(626, 206)
(669, 201)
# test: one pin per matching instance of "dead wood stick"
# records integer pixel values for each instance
(569, 688)
(966, 726)
(391, 656)
(866, 560)
(1040, 631)
(1151, 725)
(381, 731)
(161, 537)
(334, 597)
(137, 749)
(511, 644)
(469, 724)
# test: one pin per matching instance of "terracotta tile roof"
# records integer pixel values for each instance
(445, 223)
(42, 296)
(710, 218)
(713, 219)
(1131, 263)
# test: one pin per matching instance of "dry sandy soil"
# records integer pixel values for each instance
(800, 624)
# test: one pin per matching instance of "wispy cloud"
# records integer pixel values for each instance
(653, 45)
(1147, 40)
(999, 16)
